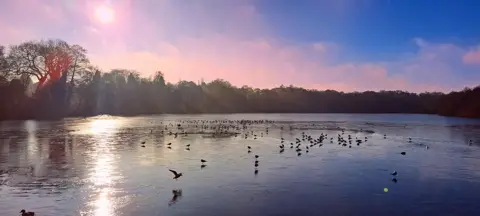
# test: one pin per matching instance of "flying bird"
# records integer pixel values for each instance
(176, 174)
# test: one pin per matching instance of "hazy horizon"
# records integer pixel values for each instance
(341, 45)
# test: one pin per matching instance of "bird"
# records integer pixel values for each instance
(403, 153)
(143, 142)
(176, 174)
(188, 145)
(394, 173)
(249, 147)
(256, 156)
(203, 161)
(25, 213)
(256, 171)
(203, 166)
(394, 180)
(143, 146)
(169, 144)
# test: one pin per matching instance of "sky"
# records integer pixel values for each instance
(345, 45)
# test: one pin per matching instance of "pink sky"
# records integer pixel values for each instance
(227, 40)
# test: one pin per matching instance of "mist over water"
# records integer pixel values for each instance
(97, 166)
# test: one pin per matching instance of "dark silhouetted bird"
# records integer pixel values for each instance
(176, 174)
(25, 213)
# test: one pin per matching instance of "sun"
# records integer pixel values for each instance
(104, 14)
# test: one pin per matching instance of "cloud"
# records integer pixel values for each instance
(472, 57)
(231, 40)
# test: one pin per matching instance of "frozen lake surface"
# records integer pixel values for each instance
(97, 166)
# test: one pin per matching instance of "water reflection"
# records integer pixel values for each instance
(103, 174)
(177, 194)
(103, 126)
(97, 166)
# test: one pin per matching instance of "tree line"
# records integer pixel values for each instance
(50, 79)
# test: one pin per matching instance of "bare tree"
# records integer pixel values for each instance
(46, 60)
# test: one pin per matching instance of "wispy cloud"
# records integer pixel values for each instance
(229, 40)
(472, 57)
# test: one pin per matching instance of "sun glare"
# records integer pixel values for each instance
(104, 14)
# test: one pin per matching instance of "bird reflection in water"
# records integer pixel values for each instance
(203, 166)
(177, 194)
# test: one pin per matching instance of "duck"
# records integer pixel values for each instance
(394, 173)
(25, 213)
(203, 161)
(403, 153)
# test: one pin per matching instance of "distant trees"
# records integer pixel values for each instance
(53, 79)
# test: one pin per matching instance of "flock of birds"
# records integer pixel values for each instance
(241, 127)
(246, 129)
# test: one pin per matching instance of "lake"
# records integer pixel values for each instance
(97, 166)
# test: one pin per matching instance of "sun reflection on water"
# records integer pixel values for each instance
(103, 173)
(103, 126)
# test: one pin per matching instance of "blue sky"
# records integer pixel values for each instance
(375, 29)
(346, 45)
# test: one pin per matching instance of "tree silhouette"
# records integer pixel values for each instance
(51, 63)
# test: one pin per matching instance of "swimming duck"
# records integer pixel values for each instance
(25, 213)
